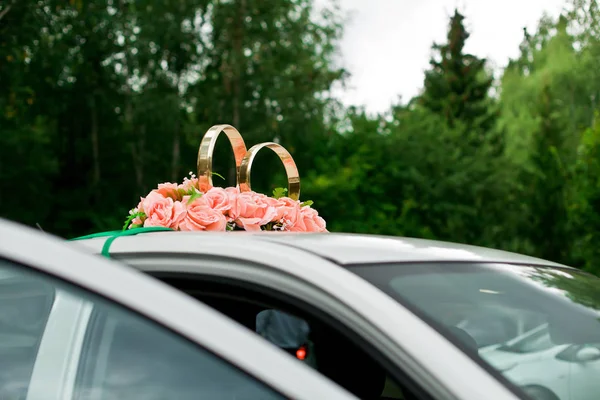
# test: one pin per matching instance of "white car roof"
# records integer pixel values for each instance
(343, 249)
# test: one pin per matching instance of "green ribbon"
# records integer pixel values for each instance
(113, 235)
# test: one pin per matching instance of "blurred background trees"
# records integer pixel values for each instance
(100, 101)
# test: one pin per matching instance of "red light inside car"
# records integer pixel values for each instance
(301, 353)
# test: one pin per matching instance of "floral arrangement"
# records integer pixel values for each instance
(185, 207)
(196, 205)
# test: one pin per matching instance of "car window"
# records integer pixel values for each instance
(554, 359)
(306, 333)
(288, 332)
(489, 329)
(25, 304)
(293, 334)
(123, 355)
(128, 357)
(282, 329)
(532, 321)
(538, 340)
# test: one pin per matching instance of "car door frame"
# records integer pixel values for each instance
(162, 304)
(440, 366)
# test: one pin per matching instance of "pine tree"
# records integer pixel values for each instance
(457, 85)
(547, 182)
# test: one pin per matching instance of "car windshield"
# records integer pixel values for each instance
(537, 340)
(537, 326)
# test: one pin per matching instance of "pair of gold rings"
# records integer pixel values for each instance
(243, 160)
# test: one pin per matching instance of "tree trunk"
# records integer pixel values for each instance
(5, 11)
(176, 153)
(238, 67)
(137, 145)
(95, 143)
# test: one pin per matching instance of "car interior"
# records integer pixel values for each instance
(329, 348)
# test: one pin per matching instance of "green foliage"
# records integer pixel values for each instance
(131, 217)
(546, 183)
(99, 102)
(220, 176)
(457, 86)
(195, 194)
(279, 192)
(585, 200)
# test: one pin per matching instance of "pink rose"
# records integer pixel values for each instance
(309, 221)
(179, 214)
(252, 210)
(189, 184)
(168, 190)
(138, 208)
(218, 199)
(233, 193)
(299, 226)
(288, 211)
(136, 221)
(161, 211)
(201, 217)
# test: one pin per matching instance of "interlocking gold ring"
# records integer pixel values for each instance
(243, 160)
(288, 162)
(205, 153)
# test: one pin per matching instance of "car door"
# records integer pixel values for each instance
(76, 326)
(435, 371)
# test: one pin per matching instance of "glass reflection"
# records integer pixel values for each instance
(537, 326)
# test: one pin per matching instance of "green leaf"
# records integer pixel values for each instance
(182, 192)
(131, 217)
(219, 175)
(193, 196)
(279, 192)
(306, 203)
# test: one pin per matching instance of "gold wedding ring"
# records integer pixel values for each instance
(205, 153)
(243, 160)
(288, 162)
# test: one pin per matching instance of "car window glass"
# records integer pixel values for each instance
(488, 329)
(294, 335)
(539, 340)
(129, 357)
(25, 303)
(283, 329)
(551, 354)
(122, 356)
(288, 332)
(532, 321)
(333, 350)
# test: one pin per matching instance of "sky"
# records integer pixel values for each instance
(387, 43)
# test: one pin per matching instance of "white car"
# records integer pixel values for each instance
(380, 313)
(74, 326)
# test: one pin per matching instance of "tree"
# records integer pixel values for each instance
(547, 180)
(584, 202)
(457, 85)
(270, 73)
(102, 100)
